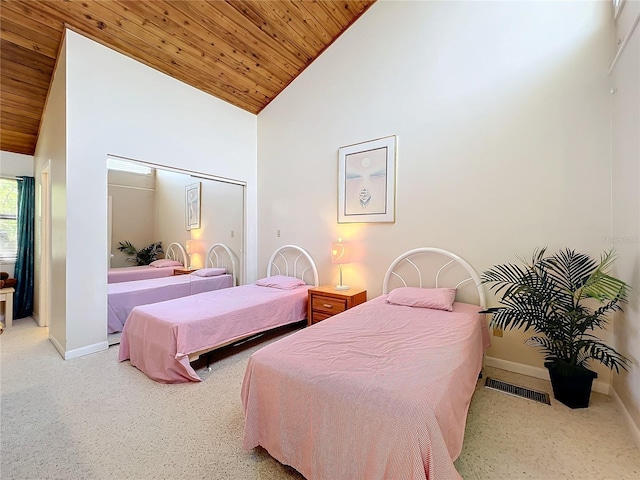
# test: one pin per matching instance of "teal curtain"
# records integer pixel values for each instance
(23, 297)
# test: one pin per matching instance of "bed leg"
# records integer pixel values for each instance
(208, 369)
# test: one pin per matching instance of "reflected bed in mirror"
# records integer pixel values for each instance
(175, 257)
(218, 273)
(147, 203)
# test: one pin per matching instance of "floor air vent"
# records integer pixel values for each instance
(517, 391)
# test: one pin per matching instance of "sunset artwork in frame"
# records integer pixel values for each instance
(367, 181)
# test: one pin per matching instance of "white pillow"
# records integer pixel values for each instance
(209, 272)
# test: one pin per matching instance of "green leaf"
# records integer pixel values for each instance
(547, 295)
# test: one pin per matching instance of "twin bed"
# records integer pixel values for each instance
(162, 339)
(175, 257)
(219, 273)
(380, 391)
(377, 392)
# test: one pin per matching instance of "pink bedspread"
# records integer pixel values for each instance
(158, 338)
(124, 296)
(142, 272)
(378, 392)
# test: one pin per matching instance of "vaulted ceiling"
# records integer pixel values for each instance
(244, 52)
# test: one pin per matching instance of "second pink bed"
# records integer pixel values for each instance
(163, 338)
(159, 338)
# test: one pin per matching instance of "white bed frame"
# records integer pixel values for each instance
(293, 261)
(220, 256)
(416, 272)
(289, 260)
(175, 251)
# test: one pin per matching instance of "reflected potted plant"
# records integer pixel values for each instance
(144, 256)
(549, 295)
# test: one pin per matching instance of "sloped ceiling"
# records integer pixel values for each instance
(243, 52)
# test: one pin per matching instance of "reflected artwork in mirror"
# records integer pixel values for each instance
(150, 203)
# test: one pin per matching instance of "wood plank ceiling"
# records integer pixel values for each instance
(244, 52)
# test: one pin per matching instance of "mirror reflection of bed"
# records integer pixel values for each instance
(146, 204)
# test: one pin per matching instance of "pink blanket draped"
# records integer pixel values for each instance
(158, 338)
(124, 296)
(142, 272)
(378, 392)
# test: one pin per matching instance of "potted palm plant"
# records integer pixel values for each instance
(550, 295)
(144, 256)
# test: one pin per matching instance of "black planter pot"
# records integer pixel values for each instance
(573, 389)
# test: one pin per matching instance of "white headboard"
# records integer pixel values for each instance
(221, 256)
(293, 261)
(175, 251)
(408, 268)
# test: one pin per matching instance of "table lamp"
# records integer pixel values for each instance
(190, 247)
(340, 255)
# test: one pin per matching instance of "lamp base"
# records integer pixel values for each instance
(342, 287)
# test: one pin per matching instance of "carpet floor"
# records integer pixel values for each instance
(95, 418)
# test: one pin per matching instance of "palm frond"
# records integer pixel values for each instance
(546, 294)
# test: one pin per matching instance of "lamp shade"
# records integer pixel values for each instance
(191, 246)
(340, 253)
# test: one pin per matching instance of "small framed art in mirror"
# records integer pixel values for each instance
(192, 206)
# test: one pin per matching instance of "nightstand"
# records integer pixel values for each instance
(326, 301)
(183, 271)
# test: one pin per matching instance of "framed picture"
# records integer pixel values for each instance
(367, 181)
(192, 206)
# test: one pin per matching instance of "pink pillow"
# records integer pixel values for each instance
(209, 272)
(280, 281)
(435, 298)
(165, 262)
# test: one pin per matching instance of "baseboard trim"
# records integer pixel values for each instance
(56, 344)
(89, 349)
(536, 372)
(631, 425)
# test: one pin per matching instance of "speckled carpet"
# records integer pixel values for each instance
(94, 418)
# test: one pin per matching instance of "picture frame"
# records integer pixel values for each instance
(192, 206)
(367, 181)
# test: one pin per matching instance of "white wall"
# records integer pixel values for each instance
(120, 107)
(625, 127)
(170, 225)
(14, 165)
(133, 213)
(51, 152)
(502, 114)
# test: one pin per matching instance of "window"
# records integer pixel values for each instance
(8, 219)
